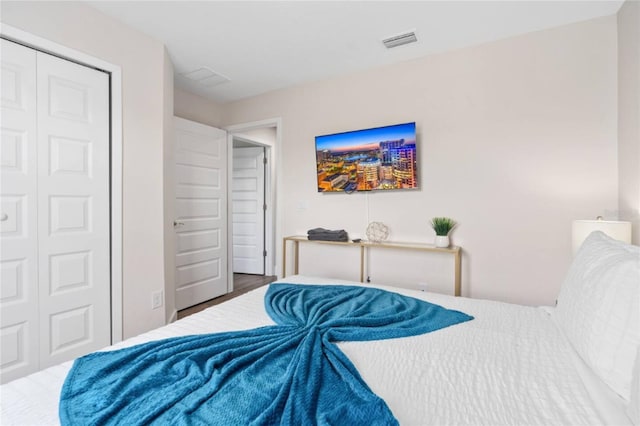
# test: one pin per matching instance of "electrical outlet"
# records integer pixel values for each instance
(423, 287)
(157, 299)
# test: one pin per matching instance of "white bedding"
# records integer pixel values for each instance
(510, 365)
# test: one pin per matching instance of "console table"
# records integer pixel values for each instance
(365, 245)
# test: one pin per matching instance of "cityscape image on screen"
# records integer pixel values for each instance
(382, 158)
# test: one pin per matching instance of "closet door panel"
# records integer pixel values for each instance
(73, 187)
(18, 213)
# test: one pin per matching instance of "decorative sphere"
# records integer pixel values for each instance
(377, 232)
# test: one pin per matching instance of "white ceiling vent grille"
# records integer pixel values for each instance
(400, 39)
(205, 76)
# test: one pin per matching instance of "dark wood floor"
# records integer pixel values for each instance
(242, 283)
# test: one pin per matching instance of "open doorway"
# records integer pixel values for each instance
(252, 157)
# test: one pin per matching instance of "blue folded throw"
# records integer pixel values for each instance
(291, 373)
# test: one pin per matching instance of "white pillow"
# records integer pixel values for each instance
(599, 308)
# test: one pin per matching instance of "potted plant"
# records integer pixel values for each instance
(442, 226)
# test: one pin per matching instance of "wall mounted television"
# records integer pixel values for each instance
(382, 158)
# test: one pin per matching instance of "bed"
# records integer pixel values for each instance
(577, 363)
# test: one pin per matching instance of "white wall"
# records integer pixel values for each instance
(169, 193)
(196, 108)
(265, 135)
(629, 114)
(142, 61)
(517, 138)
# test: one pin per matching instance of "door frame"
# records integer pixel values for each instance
(115, 179)
(272, 196)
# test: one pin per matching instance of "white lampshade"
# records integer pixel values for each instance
(615, 229)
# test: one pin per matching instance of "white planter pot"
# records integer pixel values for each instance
(442, 241)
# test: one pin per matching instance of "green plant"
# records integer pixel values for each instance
(442, 225)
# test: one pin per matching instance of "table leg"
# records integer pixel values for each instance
(457, 272)
(284, 257)
(296, 246)
(361, 263)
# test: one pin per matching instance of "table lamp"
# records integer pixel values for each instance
(617, 230)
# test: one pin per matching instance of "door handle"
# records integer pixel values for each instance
(4, 217)
(177, 224)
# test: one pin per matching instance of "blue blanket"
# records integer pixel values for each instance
(291, 373)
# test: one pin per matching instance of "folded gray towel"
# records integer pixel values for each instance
(322, 234)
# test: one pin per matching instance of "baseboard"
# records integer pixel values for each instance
(174, 317)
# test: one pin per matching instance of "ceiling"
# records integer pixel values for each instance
(267, 45)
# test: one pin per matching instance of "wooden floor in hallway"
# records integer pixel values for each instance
(242, 283)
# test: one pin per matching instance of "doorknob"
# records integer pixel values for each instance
(177, 224)
(3, 217)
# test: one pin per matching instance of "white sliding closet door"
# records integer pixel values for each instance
(18, 213)
(73, 209)
(65, 213)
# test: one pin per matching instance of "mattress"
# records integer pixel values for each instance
(510, 365)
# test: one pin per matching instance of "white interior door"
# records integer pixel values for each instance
(248, 210)
(55, 197)
(73, 209)
(201, 212)
(18, 213)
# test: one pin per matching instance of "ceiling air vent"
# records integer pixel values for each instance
(205, 76)
(400, 39)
